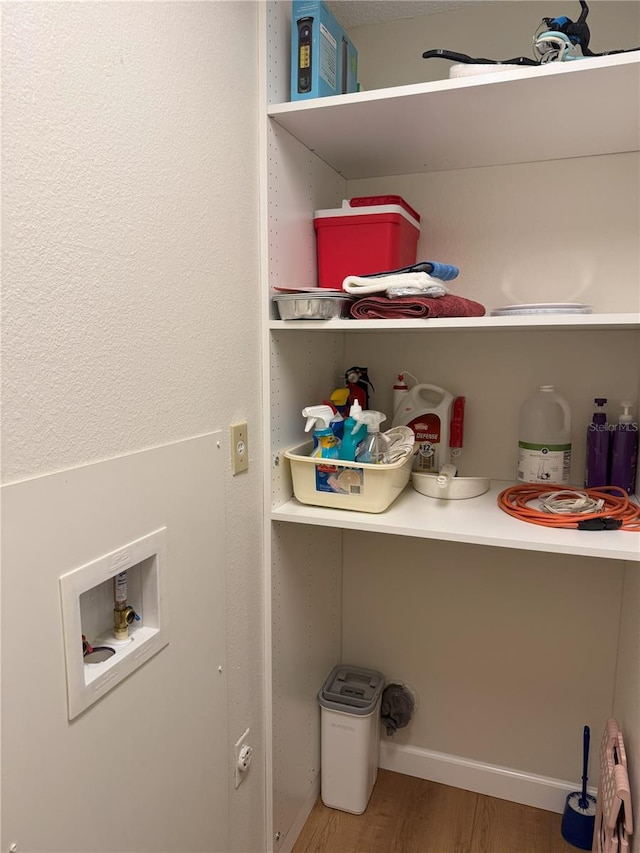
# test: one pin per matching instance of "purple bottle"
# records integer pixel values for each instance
(624, 451)
(598, 440)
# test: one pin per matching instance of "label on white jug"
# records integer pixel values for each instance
(427, 429)
(544, 463)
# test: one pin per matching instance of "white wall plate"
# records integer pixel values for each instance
(144, 559)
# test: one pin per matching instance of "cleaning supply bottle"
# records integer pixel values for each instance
(375, 446)
(544, 446)
(355, 431)
(400, 388)
(337, 421)
(598, 440)
(326, 445)
(624, 451)
(339, 399)
(427, 410)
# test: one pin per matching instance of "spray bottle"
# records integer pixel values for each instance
(326, 445)
(355, 431)
(337, 421)
(374, 448)
(624, 451)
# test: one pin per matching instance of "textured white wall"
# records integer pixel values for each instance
(130, 267)
(129, 227)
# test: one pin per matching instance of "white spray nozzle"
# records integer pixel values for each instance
(372, 419)
(445, 474)
(320, 415)
(355, 410)
(355, 413)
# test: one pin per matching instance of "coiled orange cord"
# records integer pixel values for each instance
(617, 512)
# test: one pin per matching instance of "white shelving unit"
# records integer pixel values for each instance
(574, 322)
(313, 154)
(476, 522)
(471, 121)
(413, 134)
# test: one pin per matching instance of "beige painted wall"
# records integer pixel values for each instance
(495, 30)
(504, 649)
(470, 605)
(130, 273)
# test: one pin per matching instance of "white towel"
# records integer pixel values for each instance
(419, 282)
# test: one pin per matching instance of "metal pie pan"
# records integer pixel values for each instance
(296, 306)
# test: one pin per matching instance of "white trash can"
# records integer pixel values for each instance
(349, 737)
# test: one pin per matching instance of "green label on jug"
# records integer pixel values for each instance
(544, 463)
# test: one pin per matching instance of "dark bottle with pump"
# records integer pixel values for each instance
(598, 441)
(624, 451)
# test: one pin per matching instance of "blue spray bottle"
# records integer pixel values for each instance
(326, 444)
(355, 431)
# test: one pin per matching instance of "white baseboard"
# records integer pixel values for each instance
(285, 845)
(540, 792)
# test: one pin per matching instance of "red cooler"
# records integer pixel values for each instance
(366, 235)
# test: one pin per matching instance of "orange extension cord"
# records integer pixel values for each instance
(617, 513)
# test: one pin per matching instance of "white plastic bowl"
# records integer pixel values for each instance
(456, 489)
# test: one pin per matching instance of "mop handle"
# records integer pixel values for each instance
(585, 761)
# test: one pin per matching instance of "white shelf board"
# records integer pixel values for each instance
(519, 116)
(538, 322)
(477, 521)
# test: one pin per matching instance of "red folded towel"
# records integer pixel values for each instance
(407, 307)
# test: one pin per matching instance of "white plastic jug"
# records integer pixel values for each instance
(426, 409)
(544, 438)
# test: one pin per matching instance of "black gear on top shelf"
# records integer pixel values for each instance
(548, 43)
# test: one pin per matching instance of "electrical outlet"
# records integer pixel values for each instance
(242, 758)
(239, 447)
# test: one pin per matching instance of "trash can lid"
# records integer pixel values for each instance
(351, 689)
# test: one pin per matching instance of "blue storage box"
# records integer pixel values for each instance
(324, 61)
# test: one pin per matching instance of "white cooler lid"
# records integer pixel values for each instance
(365, 210)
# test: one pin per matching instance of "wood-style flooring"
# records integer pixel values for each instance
(409, 815)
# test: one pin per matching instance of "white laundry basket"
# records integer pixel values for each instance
(350, 737)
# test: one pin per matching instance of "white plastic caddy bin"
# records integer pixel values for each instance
(349, 737)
